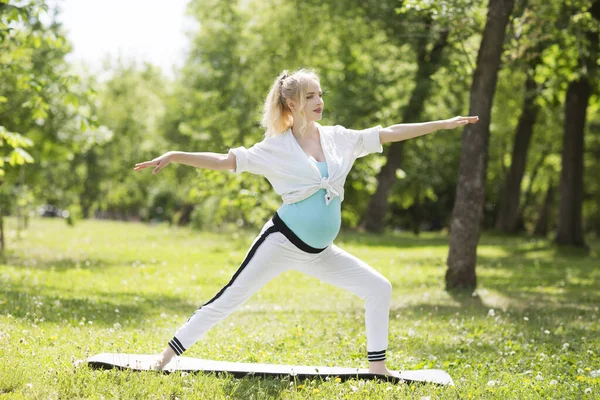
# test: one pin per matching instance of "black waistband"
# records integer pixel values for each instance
(287, 232)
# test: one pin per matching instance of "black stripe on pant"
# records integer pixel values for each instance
(376, 355)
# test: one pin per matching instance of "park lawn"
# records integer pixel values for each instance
(529, 331)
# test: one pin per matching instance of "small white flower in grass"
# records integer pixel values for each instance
(587, 391)
(184, 373)
(565, 346)
(117, 325)
(163, 315)
(29, 385)
(425, 398)
(595, 374)
(117, 310)
(493, 383)
(526, 318)
(353, 388)
(579, 371)
(553, 382)
(547, 332)
(491, 313)
(539, 377)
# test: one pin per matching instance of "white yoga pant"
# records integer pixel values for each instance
(277, 249)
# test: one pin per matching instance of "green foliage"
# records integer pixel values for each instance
(84, 136)
(17, 156)
(41, 106)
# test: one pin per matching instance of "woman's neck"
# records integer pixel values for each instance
(309, 132)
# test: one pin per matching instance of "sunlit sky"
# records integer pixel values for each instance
(151, 30)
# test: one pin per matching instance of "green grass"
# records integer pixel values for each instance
(68, 293)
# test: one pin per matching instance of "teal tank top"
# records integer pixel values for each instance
(313, 221)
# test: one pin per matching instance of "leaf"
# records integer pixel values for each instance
(39, 113)
(72, 99)
(15, 139)
(19, 157)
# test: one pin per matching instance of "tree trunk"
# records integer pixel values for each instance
(416, 211)
(1, 234)
(428, 64)
(91, 190)
(570, 223)
(529, 192)
(470, 190)
(542, 225)
(508, 213)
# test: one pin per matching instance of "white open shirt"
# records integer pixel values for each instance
(289, 169)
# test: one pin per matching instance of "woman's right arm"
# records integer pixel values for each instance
(214, 161)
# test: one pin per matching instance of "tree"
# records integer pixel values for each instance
(37, 91)
(570, 223)
(541, 226)
(470, 192)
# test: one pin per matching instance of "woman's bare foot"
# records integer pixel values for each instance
(378, 367)
(163, 359)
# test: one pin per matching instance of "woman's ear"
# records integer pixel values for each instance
(291, 105)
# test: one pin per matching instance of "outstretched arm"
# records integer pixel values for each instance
(399, 132)
(213, 161)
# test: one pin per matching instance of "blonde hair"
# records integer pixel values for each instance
(277, 116)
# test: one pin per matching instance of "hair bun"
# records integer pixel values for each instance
(283, 76)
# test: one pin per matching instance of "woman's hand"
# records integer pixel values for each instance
(158, 162)
(460, 121)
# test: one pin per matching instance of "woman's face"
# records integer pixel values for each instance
(313, 109)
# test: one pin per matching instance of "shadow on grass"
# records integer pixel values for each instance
(464, 301)
(251, 387)
(480, 336)
(62, 264)
(565, 280)
(35, 304)
(513, 246)
(399, 240)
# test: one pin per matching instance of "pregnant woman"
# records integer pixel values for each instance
(307, 164)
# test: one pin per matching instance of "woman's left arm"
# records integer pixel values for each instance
(399, 132)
